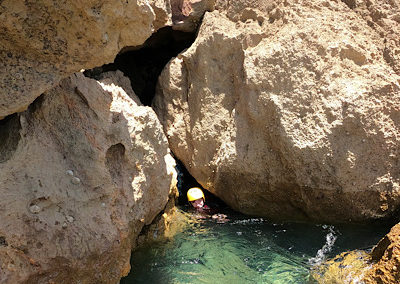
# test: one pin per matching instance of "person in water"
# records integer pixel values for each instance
(196, 198)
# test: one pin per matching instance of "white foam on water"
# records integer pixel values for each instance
(327, 248)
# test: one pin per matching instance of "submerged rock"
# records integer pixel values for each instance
(89, 166)
(287, 110)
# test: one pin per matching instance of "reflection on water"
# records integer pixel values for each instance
(246, 250)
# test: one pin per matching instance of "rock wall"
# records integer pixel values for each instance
(288, 109)
(81, 172)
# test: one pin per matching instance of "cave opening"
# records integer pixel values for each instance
(143, 65)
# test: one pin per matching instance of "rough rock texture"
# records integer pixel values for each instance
(43, 41)
(384, 17)
(287, 109)
(387, 257)
(165, 226)
(345, 268)
(81, 172)
(186, 14)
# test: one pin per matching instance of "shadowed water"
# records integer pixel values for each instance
(246, 250)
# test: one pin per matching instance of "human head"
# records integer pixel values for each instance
(196, 197)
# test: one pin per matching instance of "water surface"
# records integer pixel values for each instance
(246, 250)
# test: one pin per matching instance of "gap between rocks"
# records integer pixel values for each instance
(143, 65)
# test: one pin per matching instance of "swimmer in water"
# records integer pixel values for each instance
(196, 197)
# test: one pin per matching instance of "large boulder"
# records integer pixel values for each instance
(287, 110)
(81, 172)
(44, 41)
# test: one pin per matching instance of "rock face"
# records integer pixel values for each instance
(81, 172)
(345, 268)
(384, 17)
(387, 257)
(186, 14)
(287, 109)
(45, 41)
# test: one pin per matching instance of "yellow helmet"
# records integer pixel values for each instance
(195, 193)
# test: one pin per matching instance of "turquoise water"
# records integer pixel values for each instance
(246, 250)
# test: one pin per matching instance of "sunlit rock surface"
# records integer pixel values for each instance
(81, 172)
(45, 41)
(387, 259)
(345, 268)
(287, 109)
(187, 14)
(384, 17)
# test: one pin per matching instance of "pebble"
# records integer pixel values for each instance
(34, 209)
(64, 225)
(70, 219)
(103, 204)
(76, 180)
(70, 173)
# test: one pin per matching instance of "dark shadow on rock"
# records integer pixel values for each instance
(143, 65)
(9, 136)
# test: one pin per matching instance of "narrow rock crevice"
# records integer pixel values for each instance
(142, 65)
(9, 136)
(187, 181)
